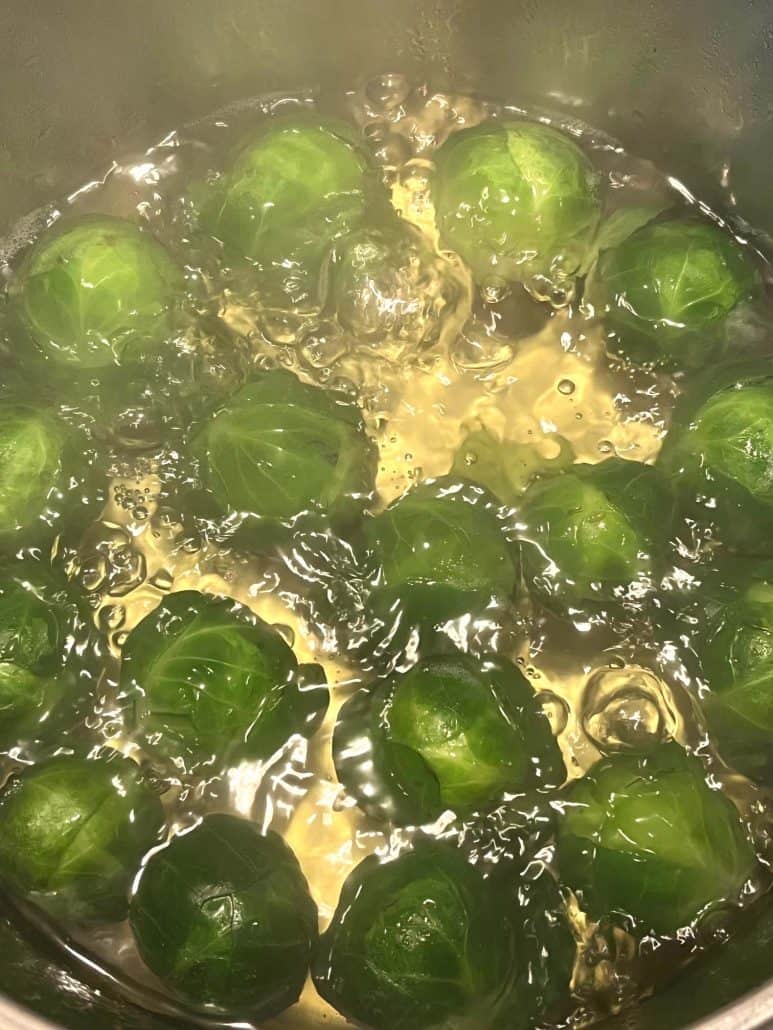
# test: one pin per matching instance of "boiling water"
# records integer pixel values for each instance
(529, 372)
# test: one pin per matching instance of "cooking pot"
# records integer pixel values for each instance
(686, 84)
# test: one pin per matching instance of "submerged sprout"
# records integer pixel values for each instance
(207, 682)
(32, 445)
(719, 454)
(442, 552)
(72, 833)
(224, 916)
(421, 941)
(507, 468)
(666, 291)
(646, 838)
(736, 653)
(596, 532)
(31, 658)
(452, 733)
(390, 286)
(517, 201)
(97, 291)
(288, 197)
(280, 447)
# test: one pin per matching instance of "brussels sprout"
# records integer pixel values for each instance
(224, 916)
(97, 291)
(389, 285)
(421, 941)
(596, 532)
(736, 653)
(32, 446)
(72, 833)
(453, 732)
(31, 645)
(517, 201)
(666, 291)
(206, 681)
(507, 468)
(293, 191)
(719, 453)
(280, 447)
(647, 838)
(442, 552)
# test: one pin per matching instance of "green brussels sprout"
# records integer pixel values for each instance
(32, 681)
(32, 456)
(736, 654)
(224, 915)
(73, 832)
(518, 201)
(441, 551)
(596, 532)
(646, 838)
(97, 291)
(507, 468)
(666, 291)
(719, 454)
(389, 285)
(452, 733)
(206, 681)
(290, 194)
(280, 447)
(420, 941)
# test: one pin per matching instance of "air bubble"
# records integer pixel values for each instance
(627, 709)
(566, 387)
(606, 447)
(388, 91)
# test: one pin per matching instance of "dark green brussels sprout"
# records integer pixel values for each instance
(518, 201)
(421, 941)
(223, 915)
(736, 653)
(32, 681)
(452, 733)
(442, 552)
(280, 447)
(666, 291)
(646, 838)
(719, 454)
(596, 532)
(205, 681)
(32, 458)
(97, 291)
(293, 191)
(389, 285)
(73, 832)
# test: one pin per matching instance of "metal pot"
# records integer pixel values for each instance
(687, 85)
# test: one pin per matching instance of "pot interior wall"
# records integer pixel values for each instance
(687, 84)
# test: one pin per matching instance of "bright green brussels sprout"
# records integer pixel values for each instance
(421, 941)
(205, 681)
(452, 733)
(73, 832)
(442, 551)
(666, 291)
(293, 191)
(719, 454)
(736, 653)
(31, 654)
(518, 201)
(32, 457)
(97, 291)
(223, 914)
(280, 447)
(647, 838)
(389, 285)
(596, 532)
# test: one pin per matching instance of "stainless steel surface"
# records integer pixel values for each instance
(687, 84)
